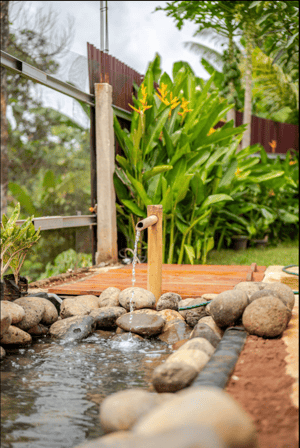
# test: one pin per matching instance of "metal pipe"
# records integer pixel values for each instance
(147, 222)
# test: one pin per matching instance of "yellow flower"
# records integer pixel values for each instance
(237, 173)
(211, 131)
(184, 104)
(271, 193)
(143, 102)
(292, 162)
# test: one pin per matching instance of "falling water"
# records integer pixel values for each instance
(137, 237)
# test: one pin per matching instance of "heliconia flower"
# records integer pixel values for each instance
(237, 173)
(292, 162)
(273, 145)
(134, 108)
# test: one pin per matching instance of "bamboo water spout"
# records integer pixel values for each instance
(153, 223)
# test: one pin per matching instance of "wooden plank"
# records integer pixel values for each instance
(186, 280)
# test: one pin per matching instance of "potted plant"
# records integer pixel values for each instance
(16, 241)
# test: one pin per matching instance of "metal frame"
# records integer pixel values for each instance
(36, 75)
(60, 222)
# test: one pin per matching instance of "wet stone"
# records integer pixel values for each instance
(109, 297)
(73, 328)
(170, 315)
(175, 331)
(34, 310)
(15, 336)
(106, 317)
(126, 336)
(136, 297)
(16, 311)
(143, 324)
(169, 300)
(38, 330)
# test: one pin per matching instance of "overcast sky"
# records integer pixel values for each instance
(136, 33)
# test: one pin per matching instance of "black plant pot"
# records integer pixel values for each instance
(12, 291)
(240, 242)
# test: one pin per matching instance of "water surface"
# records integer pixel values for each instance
(50, 392)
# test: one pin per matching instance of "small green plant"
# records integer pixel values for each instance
(69, 259)
(16, 242)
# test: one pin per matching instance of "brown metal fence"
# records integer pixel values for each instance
(105, 68)
(264, 131)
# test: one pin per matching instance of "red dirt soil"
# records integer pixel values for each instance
(261, 386)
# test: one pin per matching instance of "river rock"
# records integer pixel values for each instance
(208, 406)
(15, 336)
(228, 307)
(5, 321)
(39, 329)
(193, 316)
(73, 328)
(208, 296)
(16, 311)
(169, 301)
(50, 314)
(198, 344)
(202, 330)
(269, 293)
(80, 306)
(208, 320)
(109, 297)
(34, 310)
(174, 331)
(173, 376)
(121, 410)
(106, 317)
(51, 297)
(249, 287)
(2, 353)
(196, 436)
(170, 315)
(139, 298)
(178, 344)
(193, 357)
(267, 317)
(285, 292)
(143, 324)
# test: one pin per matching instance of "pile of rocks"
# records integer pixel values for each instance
(200, 417)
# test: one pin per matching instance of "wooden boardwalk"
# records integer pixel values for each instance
(187, 280)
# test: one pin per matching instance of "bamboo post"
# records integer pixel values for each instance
(154, 277)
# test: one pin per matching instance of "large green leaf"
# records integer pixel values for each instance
(189, 250)
(228, 177)
(134, 208)
(139, 189)
(156, 170)
(265, 177)
(156, 129)
(214, 199)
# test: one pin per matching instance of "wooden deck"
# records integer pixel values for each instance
(187, 280)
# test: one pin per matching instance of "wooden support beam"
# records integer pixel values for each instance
(154, 275)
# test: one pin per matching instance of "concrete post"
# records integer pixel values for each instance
(107, 249)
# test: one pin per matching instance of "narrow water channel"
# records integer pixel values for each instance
(50, 392)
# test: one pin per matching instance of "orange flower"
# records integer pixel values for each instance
(292, 162)
(273, 145)
(143, 102)
(271, 193)
(237, 173)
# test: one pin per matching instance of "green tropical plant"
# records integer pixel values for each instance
(16, 241)
(69, 259)
(174, 157)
